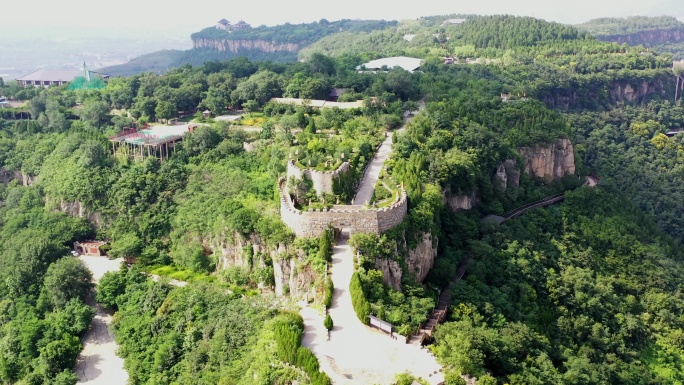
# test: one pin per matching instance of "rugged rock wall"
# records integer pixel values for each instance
(507, 175)
(459, 201)
(391, 272)
(418, 261)
(551, 161)
(292, 275)
(592, 95)
(7, 176)
(237, 45)
(322, 180)
(647, 38)
(421, 259)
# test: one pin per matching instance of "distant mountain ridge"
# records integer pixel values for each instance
(663, 33)
(280, 43)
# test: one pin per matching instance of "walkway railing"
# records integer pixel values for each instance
(540, 203)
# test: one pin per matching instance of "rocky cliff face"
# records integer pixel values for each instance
(79, 210)
(237, 45)
(647, 38)
(391, 272)
(459, 201)
(551, 161)
(617, 91)
(419, 261)
(422, 258)
(507, 175)
(7, 176)
(291, 275)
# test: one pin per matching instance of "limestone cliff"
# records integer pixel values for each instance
(647, 38)
(549, 161)
(75, 209)
(507, 175)
(422, 258)
(460, 201)
(418, 261)
(223, 45)
(292, 275)
(7, 176)
(391, 272)
(589, 95)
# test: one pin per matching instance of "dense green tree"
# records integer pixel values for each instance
(65, 279)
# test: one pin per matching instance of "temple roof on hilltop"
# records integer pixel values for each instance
(224, 22)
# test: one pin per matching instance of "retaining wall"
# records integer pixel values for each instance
(312, 223)
(322, 180)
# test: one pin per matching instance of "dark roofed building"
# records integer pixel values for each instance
(241, 25)
(223, 24)
(335, 93)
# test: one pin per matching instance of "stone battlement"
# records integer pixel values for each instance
(359, 219)
(322, 180)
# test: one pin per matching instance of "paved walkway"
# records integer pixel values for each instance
(98, 363)
(357, 354)
(372, 175)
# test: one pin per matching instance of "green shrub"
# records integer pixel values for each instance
(359, 301)
(328, 322)
(325, 245)
(329, 290)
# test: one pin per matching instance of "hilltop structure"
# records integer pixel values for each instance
(225, 25)
(158, 141)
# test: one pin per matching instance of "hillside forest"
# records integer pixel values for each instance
(586, 291)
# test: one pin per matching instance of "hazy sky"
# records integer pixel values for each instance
(180, 18)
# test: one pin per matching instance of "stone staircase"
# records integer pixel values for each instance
(438, 315)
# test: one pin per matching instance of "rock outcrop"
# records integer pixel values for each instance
(391, 272)
(292, 275)
(550, 161)
(223, 45)
(418, 261)
(7, 176)
(75, 209)
(647, 38)
(507, 175)
(576, 95)
(460, 201)
(421, 259)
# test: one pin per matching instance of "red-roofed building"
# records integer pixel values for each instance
(89, 248)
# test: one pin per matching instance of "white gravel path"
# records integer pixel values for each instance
(98, 363)
(357, 354)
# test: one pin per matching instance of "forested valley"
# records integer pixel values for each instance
(586, 291)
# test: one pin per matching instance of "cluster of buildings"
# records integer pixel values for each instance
(225, 25)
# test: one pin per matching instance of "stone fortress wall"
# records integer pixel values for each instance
(322, 180)
(359, 219)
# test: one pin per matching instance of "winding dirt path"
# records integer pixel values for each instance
(98, 363)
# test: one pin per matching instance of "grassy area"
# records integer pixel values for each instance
(173, 272)
(383, 196)
(253, 119)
